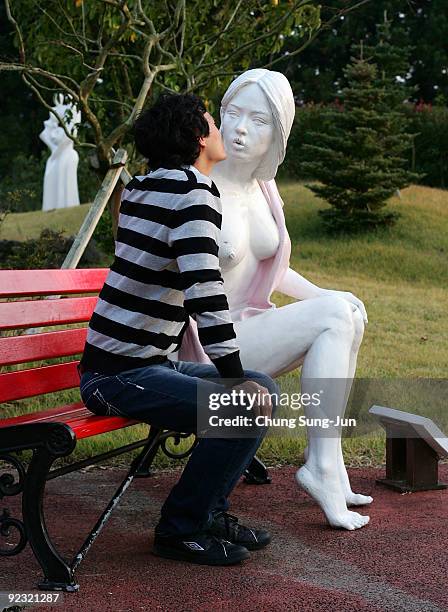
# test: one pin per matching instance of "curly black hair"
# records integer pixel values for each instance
(167, 134)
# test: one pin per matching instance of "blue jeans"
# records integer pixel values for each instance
(165, 395)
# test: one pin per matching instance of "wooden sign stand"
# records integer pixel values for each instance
(414, 445)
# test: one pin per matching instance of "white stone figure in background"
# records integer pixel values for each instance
(60, 179)
(323, 329)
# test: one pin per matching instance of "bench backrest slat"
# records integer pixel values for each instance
(21, 283)
(38, 313)
(67, 298)
(22, 349)
(37, 381)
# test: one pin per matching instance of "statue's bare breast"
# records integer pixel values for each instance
(249, 234)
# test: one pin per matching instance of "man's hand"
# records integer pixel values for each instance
(263, 402)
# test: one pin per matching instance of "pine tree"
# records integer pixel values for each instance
(359, 155)
(390, 53)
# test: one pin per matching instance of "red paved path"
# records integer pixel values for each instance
(398, 562)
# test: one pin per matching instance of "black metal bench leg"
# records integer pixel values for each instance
(60, 441)
(149, 451)
(58, 576)
(257, 473)
(144, 469)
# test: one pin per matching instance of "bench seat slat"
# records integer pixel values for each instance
(22, 349)
(37, 381)
(21, 283)
(83, 422)
(39, 313)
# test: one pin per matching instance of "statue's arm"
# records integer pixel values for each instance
(296, 286)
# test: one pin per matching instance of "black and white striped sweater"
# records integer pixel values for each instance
(166, 268)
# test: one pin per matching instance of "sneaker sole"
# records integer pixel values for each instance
(167, 553)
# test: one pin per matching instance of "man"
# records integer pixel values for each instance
(166, 268)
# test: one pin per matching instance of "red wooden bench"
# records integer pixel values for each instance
(52, 433)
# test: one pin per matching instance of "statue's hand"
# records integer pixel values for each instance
(346, 295)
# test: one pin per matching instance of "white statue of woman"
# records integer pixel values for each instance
(60, 179)
(323, 330)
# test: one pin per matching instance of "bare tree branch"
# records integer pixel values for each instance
(181, 29)
(78, 36)
(127, 80)
(200, 84)
(56, 24)
(96, 99)
(31, 83)
(314, 35)
(165, 67)
(62, 43)
(26, 69)
(288, 55)
(156, 53)
(146, 19)
(272, 32)
(83, 13)
(89, 82)
(149, 76)
(125, 56)
(220, 35)
(11, 19)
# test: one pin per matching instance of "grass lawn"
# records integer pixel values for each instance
(22, 226)
(400, 273)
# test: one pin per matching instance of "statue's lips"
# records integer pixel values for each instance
(238, 144)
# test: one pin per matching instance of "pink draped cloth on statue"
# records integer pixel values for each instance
(267, 277)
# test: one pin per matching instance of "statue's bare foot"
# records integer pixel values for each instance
(357, 499)
(327, 492)
(351, 499)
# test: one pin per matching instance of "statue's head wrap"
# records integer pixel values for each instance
(280, 98)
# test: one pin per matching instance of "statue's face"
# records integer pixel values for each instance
(53, 134)
(247, 125)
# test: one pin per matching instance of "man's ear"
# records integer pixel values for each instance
(201, 141)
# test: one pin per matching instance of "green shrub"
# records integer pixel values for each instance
(47, 251)
(430, 152)
(103, 234)
(21, 189)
